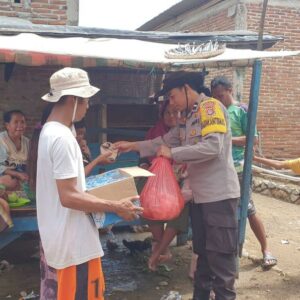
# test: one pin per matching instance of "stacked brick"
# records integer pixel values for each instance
(49, 12)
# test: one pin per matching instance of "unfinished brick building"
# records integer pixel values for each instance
(279, 109)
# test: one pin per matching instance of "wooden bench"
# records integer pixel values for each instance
(24, 220)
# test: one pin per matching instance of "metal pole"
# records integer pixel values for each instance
(247, 172)
(261, 26)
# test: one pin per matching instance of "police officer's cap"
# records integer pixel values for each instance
(179, 79)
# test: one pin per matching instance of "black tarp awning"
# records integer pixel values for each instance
(233, 39)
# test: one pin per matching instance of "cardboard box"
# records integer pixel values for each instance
(114, 185)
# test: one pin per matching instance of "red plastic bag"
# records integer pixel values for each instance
(161, 197)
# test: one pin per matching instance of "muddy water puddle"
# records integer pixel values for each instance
(123, 271)
(127, 276)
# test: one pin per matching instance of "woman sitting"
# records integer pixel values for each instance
(14, 148)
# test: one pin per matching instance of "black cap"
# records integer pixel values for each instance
(178, 79)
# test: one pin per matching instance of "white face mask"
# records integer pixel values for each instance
(73, 117)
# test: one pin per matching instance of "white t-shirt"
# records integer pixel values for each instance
(68, 236)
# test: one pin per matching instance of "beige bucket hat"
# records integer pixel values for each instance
(70, 81)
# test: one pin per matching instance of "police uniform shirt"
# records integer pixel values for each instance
(204, 143)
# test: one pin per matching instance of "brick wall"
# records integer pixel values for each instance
(207, 18)
(206, 21)
(214, 23)
(50, 12)
(279, 107)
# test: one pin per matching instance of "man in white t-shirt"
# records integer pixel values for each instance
(69, 238)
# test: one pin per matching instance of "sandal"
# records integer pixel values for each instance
(269, 260)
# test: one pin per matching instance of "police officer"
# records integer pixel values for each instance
(203, 142)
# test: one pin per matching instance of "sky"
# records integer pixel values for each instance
(120, 14)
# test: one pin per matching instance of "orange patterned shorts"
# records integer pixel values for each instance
(85, 281)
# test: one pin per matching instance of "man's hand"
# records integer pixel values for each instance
(164, 151)
(127, 210)
(104, 159)
(124, 146)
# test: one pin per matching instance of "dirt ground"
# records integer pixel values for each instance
(128, 278)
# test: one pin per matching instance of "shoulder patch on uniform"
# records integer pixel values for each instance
(212, 117)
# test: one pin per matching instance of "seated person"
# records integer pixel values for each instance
(293, 164)
(14, 147)
(89, 163)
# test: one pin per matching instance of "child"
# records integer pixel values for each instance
(89, 163)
